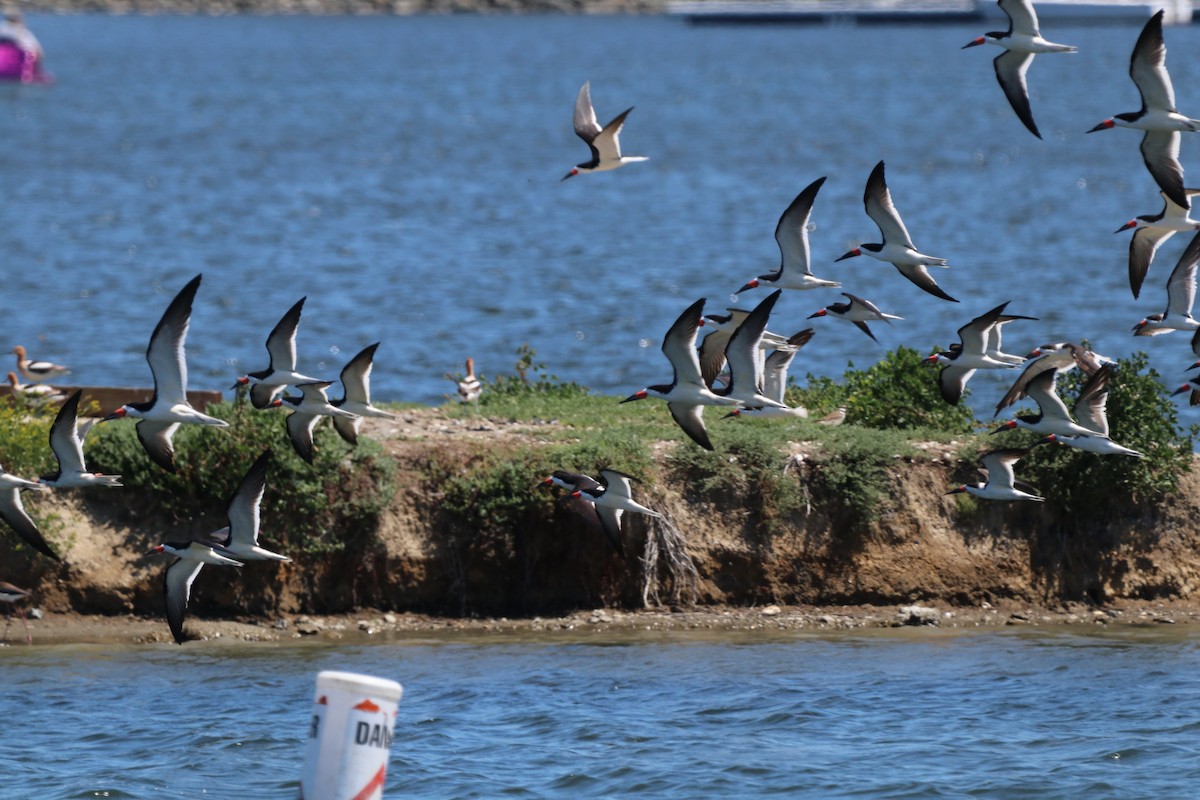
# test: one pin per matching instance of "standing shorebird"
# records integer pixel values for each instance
(37, 371)
(10, 595)
(1021, 42)
(470, 387)
(604, 142)
(169, 408)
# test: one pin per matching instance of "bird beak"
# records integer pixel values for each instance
(1034, 353)
(541, 483)
(737, 412)
(1131, 224)
(957, 490)
(820, 313)
(242, 381)
(1051, 439)
(118, 414)
(635, 396)
(974, 43)
(1193, 366)
(1181, 389)
(1139, 326)
(1008, 426)
(855, 252)
(1103, 126)
(751, 285)
(155, 551)
(570, 174)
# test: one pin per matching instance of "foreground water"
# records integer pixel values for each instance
(403, 173)
(888, 714)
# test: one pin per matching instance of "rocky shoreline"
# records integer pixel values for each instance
(343, 7)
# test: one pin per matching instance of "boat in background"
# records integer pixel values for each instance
(21, 65)
(884, 12)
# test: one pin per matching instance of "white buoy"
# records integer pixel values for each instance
(350, 737)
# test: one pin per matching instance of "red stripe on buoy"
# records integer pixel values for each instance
(366, 705)
(375, 785)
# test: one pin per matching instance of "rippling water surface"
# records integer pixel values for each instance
(403, 173)
(881, 715)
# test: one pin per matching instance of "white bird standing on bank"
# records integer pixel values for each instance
(1001, 482)
(1181, 296)
(605, 142)
(795, 260)
(1151, 231)
(190, 557)
(356, 395)
(896, 248)
(169, 408)
(687, 394)
(1157, 116)
(1021, 42)
(67, 446)
(37, 371)
(240, 537)
(470, 387)
(34, 394)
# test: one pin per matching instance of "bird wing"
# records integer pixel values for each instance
(999, 465)
(775, 369)
(156, 438)
(745, 369)
(165, 354)
(918, 274)
(300, 430)
(64, 437)
(1034, 367)
(244, 506)
(1181, 286)
(1044, 392)
(865, 305)
(617, 483)
(1148, 67)
(356, 376)
(177, 588)
(679, 345)
(1160, 152)
(13, 512)
(974, 335)
(347, 428)
(1091, 407)
(1142, 247)
(791, 233)
(607, 143)
(586, 126)
(878, 202)
(1022, 18)
(712, 355)
(1011, 66)
(951, 381)
(610, 521)
(281, 341)
(691, 419)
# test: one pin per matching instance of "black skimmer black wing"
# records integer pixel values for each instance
(356, 394)
(604, 142)
(281, 369)
(742, 354)
(896, 248)
(1181, 295)
(309, 408)
(1001, 480)
(162, 416)
(857, 311)
(12, 511)
(791, 234)
(240, 538)
(190, 558)
(1151, 231)
(974, 351)
(67, 447)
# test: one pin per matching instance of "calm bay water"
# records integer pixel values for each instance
(882, 715)
(403, 173)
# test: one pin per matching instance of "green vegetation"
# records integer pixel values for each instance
(307, 509)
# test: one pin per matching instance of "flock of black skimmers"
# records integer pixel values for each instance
(739, 365)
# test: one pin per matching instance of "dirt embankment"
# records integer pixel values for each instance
(924, 549)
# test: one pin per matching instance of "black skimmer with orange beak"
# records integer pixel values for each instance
(1181, 295)
(1001, 482)
(190, 557)
(605, 142)
(791, 234)
(266, 384)
(67, 446)
(1150, 231)
(978, 347)
(356, 395)
(239, 539)
(857, 311)
(1021, 42)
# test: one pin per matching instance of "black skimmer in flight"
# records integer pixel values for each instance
(356, 395)
(281, 370)
(470, 387)
(775, 371)
(1157, 116)
(977, 348)
(1151, 231)
(1001, 482)
(37, 371)
(33, 394)
(13, 511)
(791, 234)
(67, 446)
(605, 142)
(687, 394)
(240, 538)
(169, 408)
(1021, 42)
(858, 311)
(310, 406)
(896, 248)
(1058, 356)
(190, 557)
(1052, 416)
(1181, 294)
(610, 496)
(712, 346)
(1091, 411)
(744, 357)
(11, 595)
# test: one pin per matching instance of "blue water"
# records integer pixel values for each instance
(880, 715)
(403, 173)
